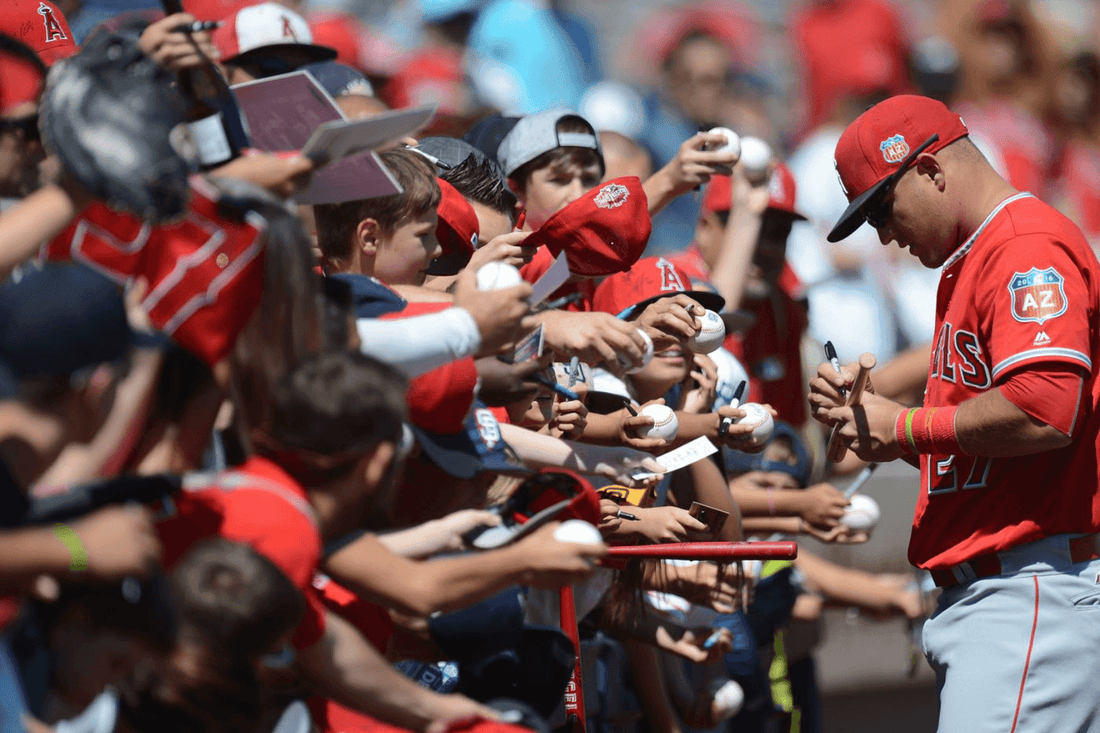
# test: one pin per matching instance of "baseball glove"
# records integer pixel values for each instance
(110, 115)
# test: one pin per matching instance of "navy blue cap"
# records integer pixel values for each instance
(60, 319)
(340, 79)
(369, 297)
(478, 448)
(739, 462)
(486, 134)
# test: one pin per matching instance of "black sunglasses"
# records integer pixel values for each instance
(877, 210)
(27, 125)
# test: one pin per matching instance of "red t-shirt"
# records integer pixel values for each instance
(1079, 186)
(260, 505)
(1023, 291)
(848, 46)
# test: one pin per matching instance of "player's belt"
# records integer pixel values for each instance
(1081, 549)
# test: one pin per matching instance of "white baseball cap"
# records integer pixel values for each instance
(268, 29)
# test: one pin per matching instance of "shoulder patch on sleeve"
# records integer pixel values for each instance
(1037, 295)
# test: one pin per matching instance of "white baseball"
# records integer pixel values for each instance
(497, 276)
(862, 514)
(733, 140)
(728, 697)
(579, 531)
(710, 336)
(647, 355)
(665, 425)
(756, 156)
(760, 419)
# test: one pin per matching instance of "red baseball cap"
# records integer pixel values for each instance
(457, 231)
(781, 188)
(603, 232)
(876, 150)
(625, 294)
(268, 29)
(40, 25)
(22, 74)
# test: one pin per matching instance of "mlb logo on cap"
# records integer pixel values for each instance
(894, 149)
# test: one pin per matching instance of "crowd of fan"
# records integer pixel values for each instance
(277, 458)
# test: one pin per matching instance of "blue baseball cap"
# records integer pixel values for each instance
(60, 319)
(477, 448)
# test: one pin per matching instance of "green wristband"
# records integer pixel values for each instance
(909, 429)
(78, 556)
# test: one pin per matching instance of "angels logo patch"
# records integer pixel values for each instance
(612, 196)
(894, 149)
(1037, 295)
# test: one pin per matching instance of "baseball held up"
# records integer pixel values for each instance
(712, 333)
(665, 425)
(760, 419)
(647, 356)
(497, 276)
(862, 514)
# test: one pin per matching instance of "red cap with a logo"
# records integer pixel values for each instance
(627, 293)
(40, 25)
(457, 231)
(603, 232)
(876, 150)
(781, 189)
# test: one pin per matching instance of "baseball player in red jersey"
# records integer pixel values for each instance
(1007, 438)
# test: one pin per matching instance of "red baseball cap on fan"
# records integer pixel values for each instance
(40, 25)
(268, 29)
(22, 74)
(457, 231)
(625, 294)
(603, 232)
(781, 189)
(876, 150)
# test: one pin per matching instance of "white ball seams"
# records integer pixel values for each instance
(665, 424)
(497, 276)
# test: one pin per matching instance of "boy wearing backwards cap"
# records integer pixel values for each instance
(554, 163)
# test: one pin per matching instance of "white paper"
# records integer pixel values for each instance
(337, 139)
(685, 455)
(550, 281)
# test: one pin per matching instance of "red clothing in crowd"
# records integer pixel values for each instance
(771, 350)
(259, 505)
(848, 46)
(1079, 187)
(1024, 142)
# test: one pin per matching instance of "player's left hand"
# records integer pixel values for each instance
(867, 428)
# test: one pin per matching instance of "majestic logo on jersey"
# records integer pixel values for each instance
(894, 149)
(1041, 339)
(612, 196)
(1037, 295)
(54, 31)
(670, 279)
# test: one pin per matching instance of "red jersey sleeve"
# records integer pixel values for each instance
(1041, 306)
